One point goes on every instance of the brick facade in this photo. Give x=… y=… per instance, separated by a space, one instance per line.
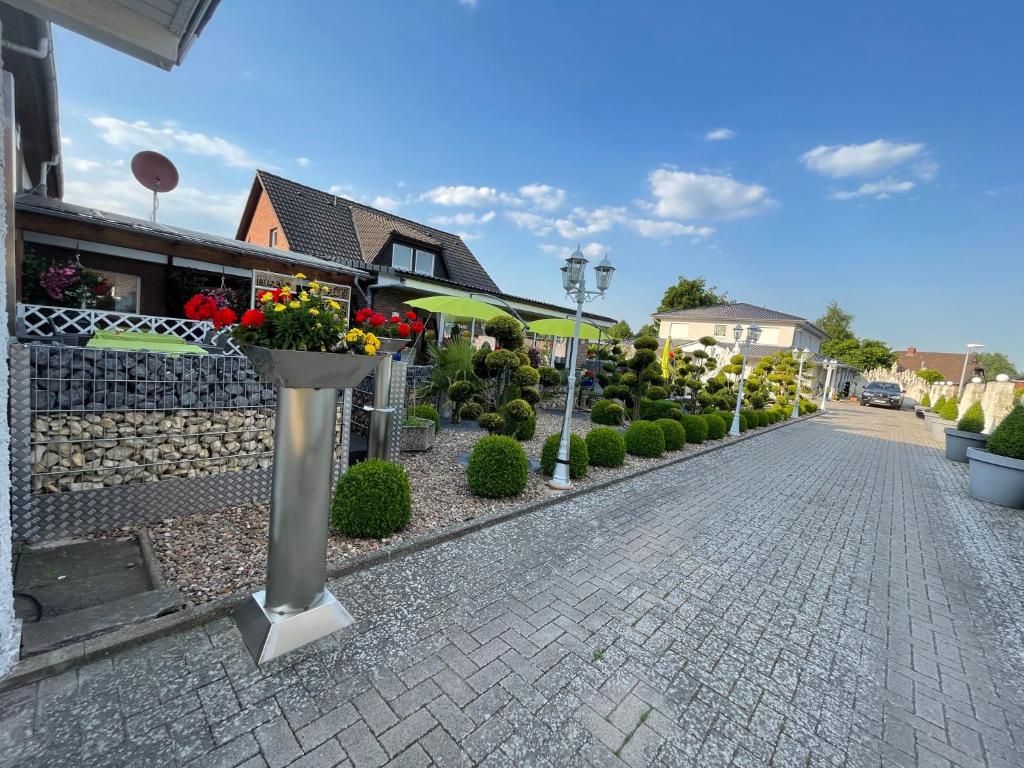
x=263 y=220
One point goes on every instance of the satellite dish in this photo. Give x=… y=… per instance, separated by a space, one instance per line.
x=156 y=173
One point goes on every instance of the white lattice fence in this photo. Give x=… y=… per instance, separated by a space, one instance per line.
x=39 y=320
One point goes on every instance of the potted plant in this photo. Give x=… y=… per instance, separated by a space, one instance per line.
x=299 y=339
x=393 y=332
x=967 y=434
x=997 y=472
x=945 y=416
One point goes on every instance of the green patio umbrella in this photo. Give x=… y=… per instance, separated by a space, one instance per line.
x=458 y=306
x=564 y=327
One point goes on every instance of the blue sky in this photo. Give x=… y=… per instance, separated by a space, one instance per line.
x=790 y=153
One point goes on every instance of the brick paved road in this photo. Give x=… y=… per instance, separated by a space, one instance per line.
x=823 y=595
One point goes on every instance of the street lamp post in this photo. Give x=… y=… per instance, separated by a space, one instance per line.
x=830 y=365
x=574 y=281
x=753 y=334
x=963 y=373
x=801 y=355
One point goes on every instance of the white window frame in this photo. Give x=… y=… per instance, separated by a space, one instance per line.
x=273 y=237
x=725 y=330
x=416 y=262
x=412 y=256
x=138 y=286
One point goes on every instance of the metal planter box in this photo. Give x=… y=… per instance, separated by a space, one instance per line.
x=996 y=479
x=958 y=441
x=311 y=370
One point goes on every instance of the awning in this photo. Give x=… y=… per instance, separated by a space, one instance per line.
x=564 y=327
x=458 y=306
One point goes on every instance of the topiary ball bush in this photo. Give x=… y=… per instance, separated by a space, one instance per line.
x=460 y=391
x=973 y=419
x=579 y=456
x=492 y=422
x=501 y=360
x=645 y=438
x=652 y=410
x=427 y=412
x=372 y=500
x=470 y=411
x=949 y=409
x=520 y=420
x=675 y=435
x=497 y=467
x=607 y=412
x=645 y=342
x=743 y=422
x=506 y=330
x=926 y=401
x=525 y=376
x=762 y=418
x=1008 y=438
x=606 y=447
x=696 y=428
x=716 y=426
x=657 y=393
x=530 y=395
x=549 y=377
x=937 y=405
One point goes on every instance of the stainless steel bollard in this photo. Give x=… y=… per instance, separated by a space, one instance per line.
x=378 y=442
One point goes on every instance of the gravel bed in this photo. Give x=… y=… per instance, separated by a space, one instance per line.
x=211 y=554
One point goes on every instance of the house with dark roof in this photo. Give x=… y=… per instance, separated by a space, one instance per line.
x=406 y=259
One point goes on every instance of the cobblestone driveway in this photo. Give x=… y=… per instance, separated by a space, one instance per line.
x=826 y=594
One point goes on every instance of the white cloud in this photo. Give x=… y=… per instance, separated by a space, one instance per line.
x=303 y=162
x=875 y=157
x=590 y=250
x=82 y=165
x=463 y=219
x=474 y=197
x=470 y=236
x=539 y=225
x=582 y=221
x=685 y=195
x=879 y=189
x=655 y=228
x=719 y=134
x=341 y=190
x=386 y=203
x=66 y=141
x=170 y=137
x=543 y=196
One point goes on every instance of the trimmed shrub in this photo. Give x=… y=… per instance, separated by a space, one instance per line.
x=926 y=401
x=949 y=409
x=549 y=376
x=645 y=438
x=973 y=419
x=645 y=342
x=525 y=376
x=372 y=500
x=607 y=412
x=716 y=425
x=471 y=411
x=507 y=331
x=497 y=467
x=460 y=392
x=657 y=392
x=492 y=422
x=762 y=418
x=1008 y=438
x=579 y=457
x=427 y=412
x=518 y=415
x=606 y=447
x=743 y=422
x=501 y=360
x=617 y=392
x=652 y=410
x=696 y=428
x=530 y=395
x=937 y=406
x=675 y=435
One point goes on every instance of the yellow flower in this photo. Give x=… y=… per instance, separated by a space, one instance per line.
x=314 y=286
x=279 y=307
x=314 y=311
x=299 y=276
x=370 y=349
x=304 y=296
x=334 y=305
x=372 y=339
x=286 y=290
x=294 y=304
x=267 y=296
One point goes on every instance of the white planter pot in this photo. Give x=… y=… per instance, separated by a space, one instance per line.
x=958 y=441
x=996 y=479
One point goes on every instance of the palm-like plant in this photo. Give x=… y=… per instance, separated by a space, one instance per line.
x=450 y=362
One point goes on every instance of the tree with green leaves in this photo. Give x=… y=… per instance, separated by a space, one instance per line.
x=996 y=363
x=620 y=330
x=845 y=347
x=836 y=322
x=688 y=294
x=930 y=375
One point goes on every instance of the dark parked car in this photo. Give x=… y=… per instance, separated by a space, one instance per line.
x=882 y=393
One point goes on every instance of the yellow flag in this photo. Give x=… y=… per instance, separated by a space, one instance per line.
x=664 y=359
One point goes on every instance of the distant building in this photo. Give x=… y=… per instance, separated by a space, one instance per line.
x=949 y=364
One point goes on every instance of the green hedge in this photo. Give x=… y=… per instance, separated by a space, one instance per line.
x=372 y=500
x=973 y=419
x=762 y=418
x=579 y=457
x=645 y=438
x=743 y=422
x=652 y=410
x=606 y=447
x=607 y=412
x=696 y=428
x=675 y=435
x=497 y=467
x=716 y=425
x=427 y=412
x=1008 y=438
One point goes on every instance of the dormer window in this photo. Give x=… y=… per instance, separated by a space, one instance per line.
x=412 y=259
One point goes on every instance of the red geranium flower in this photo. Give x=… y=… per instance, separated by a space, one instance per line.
x=223 y=317
x=363 y=314
x=410 y=315
x=377 y=320
x=403 y=330
x=253 y=318
x=395 y=319
x=417 y=326
x=200 y=307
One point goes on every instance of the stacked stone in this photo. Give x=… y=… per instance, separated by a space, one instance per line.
x=81 y=379
x=76 y=452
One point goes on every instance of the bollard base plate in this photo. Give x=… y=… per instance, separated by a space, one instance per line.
x=269 y=635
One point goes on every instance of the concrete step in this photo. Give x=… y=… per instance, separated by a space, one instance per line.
x=58 y=631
